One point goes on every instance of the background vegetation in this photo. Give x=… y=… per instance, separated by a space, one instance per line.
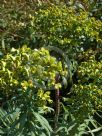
x=50 y=67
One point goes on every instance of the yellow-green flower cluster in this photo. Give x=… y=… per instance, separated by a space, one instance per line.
x=88 y=90
x=28 y=69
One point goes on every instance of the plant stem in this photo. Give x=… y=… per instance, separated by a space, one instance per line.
x=57 y=106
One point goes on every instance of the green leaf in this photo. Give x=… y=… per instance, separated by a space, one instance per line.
x=43 y=122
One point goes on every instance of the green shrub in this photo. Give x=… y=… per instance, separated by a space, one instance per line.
x=27 y=71
x=55 y=25
x=64 y=27
x=88 y=90
x=26 y=77
x=85 y=100
x=26 y=74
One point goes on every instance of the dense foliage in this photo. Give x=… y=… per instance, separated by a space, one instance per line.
x=39 y=41
x=24 y=75
x=27 y=69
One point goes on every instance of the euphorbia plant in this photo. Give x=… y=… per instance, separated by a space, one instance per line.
x=25 y=69
x=88 y=89
x=26 y=77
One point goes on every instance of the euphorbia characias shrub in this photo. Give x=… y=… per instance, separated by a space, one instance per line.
x=26 y=71
x=56 y=25
x=26 y=75
x=62 y=27
x=87 y=98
